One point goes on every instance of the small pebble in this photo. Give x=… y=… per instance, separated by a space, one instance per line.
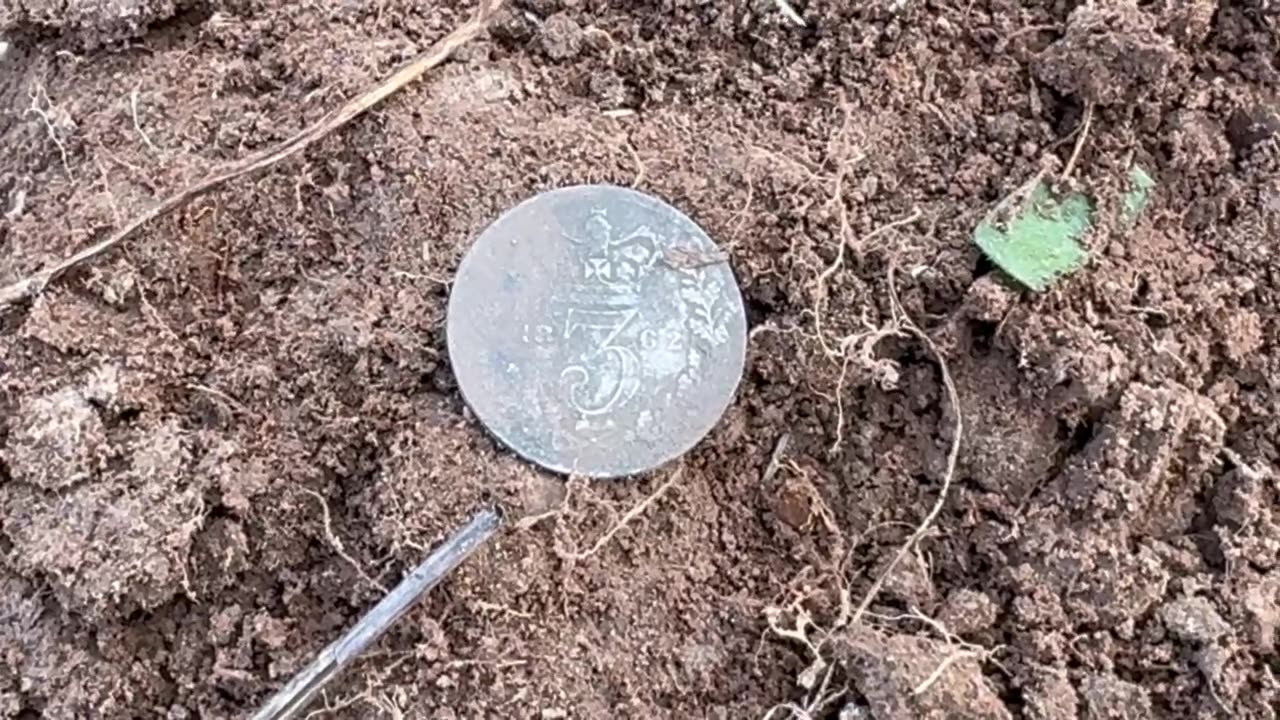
x=968 y=611
x=1194 y=619
x=561 y=37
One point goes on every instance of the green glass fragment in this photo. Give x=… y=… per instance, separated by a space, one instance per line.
x=1040 y=242
x=1139 y=194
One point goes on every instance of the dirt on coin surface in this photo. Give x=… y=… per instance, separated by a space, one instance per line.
x=221 y=441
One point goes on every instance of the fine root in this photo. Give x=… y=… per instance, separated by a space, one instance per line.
x=839 y=147
x=137 y=125
x=953 y=398
x=39 y=110
x=636 y=511
x=816 y=678
x=337 y=545
x=960 y=650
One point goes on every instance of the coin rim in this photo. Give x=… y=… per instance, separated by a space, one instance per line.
x=677 y=451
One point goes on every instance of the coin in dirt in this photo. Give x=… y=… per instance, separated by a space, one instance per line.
x=596 y=330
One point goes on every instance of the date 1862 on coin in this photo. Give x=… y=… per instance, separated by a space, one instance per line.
x=596 y=330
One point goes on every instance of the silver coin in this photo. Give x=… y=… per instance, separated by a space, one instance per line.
x=597 y=331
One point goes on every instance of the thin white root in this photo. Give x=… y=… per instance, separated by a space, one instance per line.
x=915 y=215
x=937 y=673
x=337 y=544
x=790 y=12
x=49 y=128
x=953 y=397
x=626 y=519
x=900 y=324
x=133 y=110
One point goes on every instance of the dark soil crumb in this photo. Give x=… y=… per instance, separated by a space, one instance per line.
x=896 y=676
x=1109 y=54
x=968 y=611
x=561 y=37
x=1109 y=698
x=218 y=442
x=91 y=23
x=1051 y=696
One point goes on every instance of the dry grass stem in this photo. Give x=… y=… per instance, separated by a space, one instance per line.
x=255 y=162
x=775 y=460
x=226 y=399
x=635 y=158
x=1016 y=197
x=1080 y=141
x=1250 y=472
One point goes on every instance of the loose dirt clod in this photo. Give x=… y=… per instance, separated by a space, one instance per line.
x=1195 y=620
x=108 y=544
x=1109 y=54
x=60 y=441
x=910 y=678
x=1109 y=698
x=91 y=23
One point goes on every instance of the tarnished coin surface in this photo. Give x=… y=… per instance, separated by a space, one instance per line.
x=596 y=330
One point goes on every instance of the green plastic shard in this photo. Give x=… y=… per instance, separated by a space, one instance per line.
x=1135 y=201
x=1040 y=241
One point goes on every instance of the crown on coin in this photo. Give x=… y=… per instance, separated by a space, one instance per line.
x=613 y=264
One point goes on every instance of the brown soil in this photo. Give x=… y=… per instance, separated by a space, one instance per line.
x=173 y=415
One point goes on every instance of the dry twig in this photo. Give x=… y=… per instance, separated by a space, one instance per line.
x=775 y=460
x=435 y=55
